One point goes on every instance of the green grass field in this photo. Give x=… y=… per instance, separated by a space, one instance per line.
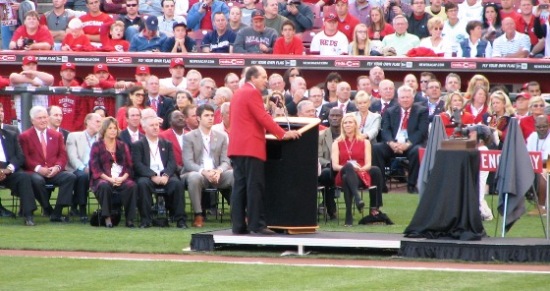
x=19 y=273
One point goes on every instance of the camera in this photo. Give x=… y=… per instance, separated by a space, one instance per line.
x=392 y=3
x=27 y=41
x=544 y=6
x=204 y=6
x=294 y=2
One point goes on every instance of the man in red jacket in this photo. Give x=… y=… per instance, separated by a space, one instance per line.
x=247 y=152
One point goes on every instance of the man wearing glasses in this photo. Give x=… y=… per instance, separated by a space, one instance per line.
x=132 y=20
x=93 y=20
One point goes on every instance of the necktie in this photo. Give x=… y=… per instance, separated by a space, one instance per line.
x=342 y=108
x=43 y=142
x=154 y=104
x=405 y=120
x=384 y=107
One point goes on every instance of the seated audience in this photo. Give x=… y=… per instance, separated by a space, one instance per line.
x=474 y=45
x=401 y=40
x=288 y=43
x=221 y=39
x=201 y=14
x=360 y=46
x=112 y=38
x=149 y=39
x=75 y=40
x=369 y=122
x=136 y=98
x=536 y=109
x=491 y=19
x=299 y=13
x=132 y=20
x=168 y=19
x=378 y=27
x=478 y=104
x=31 y=35
x=93 y=20
x=56 y=20
x=538 y=141
x=346 y=21
x=351 y=158
x=453 y=108
x=255 y=39
x=330 y=41
x=174 y=134
x=150 y=7
x=235 y=20
x=454 y=28
x=418 y=20
x=498 y=116
x=180 y=42
x=132 y=132
x=272 y=17
x=511 y=44
x=435 y=41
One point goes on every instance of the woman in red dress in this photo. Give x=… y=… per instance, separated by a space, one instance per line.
x=351 y=158
x=455 y=100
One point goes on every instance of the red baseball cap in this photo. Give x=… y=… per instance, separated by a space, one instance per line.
x=29 y=59
x=67 y=65
x=143 y=69
x=525 y=95
x=176 y=62
x=525 y=86
x=331 y=17
x=101 y=67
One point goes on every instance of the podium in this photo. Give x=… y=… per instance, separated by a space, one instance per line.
x=290 y=201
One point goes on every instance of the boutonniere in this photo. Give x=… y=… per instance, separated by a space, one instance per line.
x=50 y=138
x=162 y=149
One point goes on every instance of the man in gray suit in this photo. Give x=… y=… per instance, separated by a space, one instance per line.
x=78 y=151
x=205 y=160
x=326 y=178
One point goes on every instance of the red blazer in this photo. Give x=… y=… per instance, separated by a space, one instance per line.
x=250 y=120
x=171 y=136
x=55 y=149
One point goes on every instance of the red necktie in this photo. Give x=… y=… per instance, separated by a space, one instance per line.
x=43 y=142
x=405 y=120
x=384 y=107
x=154 y=104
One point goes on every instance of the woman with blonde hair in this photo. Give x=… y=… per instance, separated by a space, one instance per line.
x=455 y=101
x=369 y=122
x=478 y=104
x=498 y=116
x=360 y=46
x=435 y=40
x=351 y=158
x=476 y=81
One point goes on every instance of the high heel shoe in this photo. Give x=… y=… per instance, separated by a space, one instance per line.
x=108 y=222
x=361 y=206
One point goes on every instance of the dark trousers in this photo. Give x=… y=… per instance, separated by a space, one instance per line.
x=20 y=184
x=326 y=179
x=351 y=183
x=247 y=196
x=174 y=191
x=64 y=180
x=381 y=154
x=81 y=185
x=127 y=192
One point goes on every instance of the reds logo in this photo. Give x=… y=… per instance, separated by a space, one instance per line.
x=231 y=62
x=118 y=60
x=463 y=65
x=7 y=58
x=348 y=64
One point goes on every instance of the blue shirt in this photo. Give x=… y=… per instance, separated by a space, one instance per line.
x=219 y=44
x=140 y=44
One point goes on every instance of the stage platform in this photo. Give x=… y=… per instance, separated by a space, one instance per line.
x=486 y=250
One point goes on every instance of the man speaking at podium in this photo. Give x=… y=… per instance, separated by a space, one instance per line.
x=248 y=154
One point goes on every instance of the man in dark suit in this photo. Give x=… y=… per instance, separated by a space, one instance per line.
x=11 y=175
x=3 y=211
x=248 y=154
x=131 y=134
x=387 y=97
x=298 y=89
x=343 y=92
x=55 y=118
x=205 y=160
x=435 y=104
x=155 y=166
x=162 y=105
x=404 y=130
x=45 y=158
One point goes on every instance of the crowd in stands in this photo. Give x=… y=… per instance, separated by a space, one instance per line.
x=174 y=115
x=472 y=28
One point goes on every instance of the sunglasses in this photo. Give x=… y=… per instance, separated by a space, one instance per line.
x=438 y=28
x=537 y=105
x=131 y=5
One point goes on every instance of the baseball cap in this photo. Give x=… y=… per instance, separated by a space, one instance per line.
x=525 y=95
x=29 y=59
x=152 y=23
x=525 y=86
x=331 y=17
x=66 y=66
x=258 y=14
x=101 y=67
x=142 y=69
x=176 y=62
x=181 y=23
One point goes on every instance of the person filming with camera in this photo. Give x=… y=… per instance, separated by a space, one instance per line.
x=201 y=14
x=396 y=7
x=32 y=35
x=297 y=12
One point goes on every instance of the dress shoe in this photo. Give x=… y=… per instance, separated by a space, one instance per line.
x=361 y=206
x=385 y=189
x=74 y=212
x=5 y=213
x=145 y=224
x=242 y=231
x=199 y=221
x=264 y=231
x=412 y=189
x=55 y=218
x=29 y=221
x=181 y=224
x=130 y=224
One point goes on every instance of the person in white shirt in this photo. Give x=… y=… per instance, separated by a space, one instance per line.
x=330 y=41
x=470 y=10
x=435 y=41
x=511 y=44
x=167 y=20
x=539 y=141
x=454 y=29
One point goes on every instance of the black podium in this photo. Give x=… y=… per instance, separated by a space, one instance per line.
x=290 y=200
x=449 y=207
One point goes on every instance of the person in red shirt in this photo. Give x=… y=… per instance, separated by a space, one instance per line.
x=93 y=20
x=75 y=40
x=101 y=78
x=74 y=107
x=31 y=35
x=248 y=154
x=112 y=37
x=346 y=21
x=288 y=43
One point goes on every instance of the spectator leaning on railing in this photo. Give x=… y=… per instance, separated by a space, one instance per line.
x=31 y=35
